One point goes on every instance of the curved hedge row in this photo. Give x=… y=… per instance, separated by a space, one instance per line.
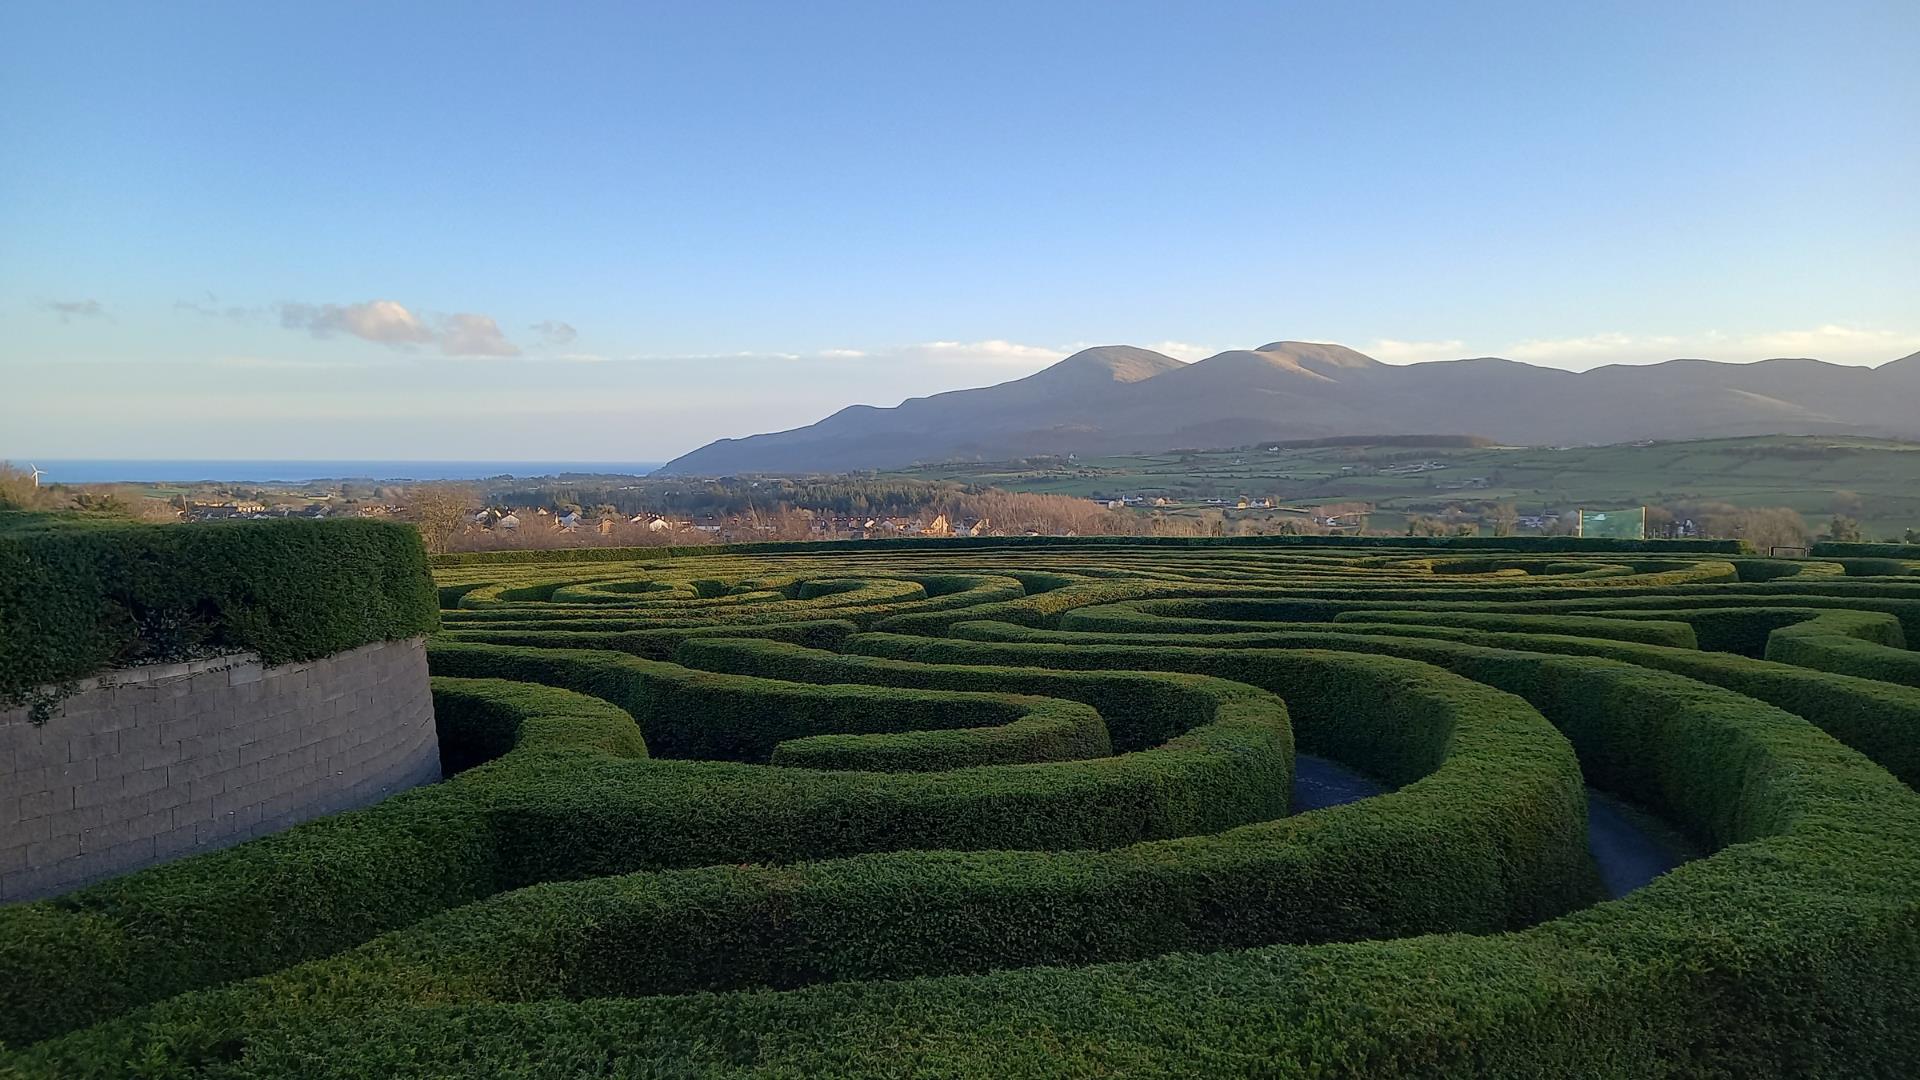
x=1023 y=809
x=551 y=811
x=1438 y=854
x=1873 y=716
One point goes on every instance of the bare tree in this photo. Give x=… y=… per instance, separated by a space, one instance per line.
x=1504 y=518
x=1765 y=528
x=438 y=511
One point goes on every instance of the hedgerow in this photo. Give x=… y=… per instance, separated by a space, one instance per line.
x=1831 y=549
x=999 y=809
x=1879 y=719
x=1439 y=854
x=1029 y=543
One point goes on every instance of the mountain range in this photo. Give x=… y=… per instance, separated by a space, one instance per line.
x=1121 y=399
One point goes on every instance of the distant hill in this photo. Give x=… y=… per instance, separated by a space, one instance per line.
x=1121 y=399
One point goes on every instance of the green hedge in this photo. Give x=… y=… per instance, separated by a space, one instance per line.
x=1830 y=549
x=1028 y=543
x=1675 y=633
x=1880 y=720
x=553 y=603
x=1072 y=736
x=76 y=600
x=1867 y=644
x=577 y=798
x=659 y=643
x=1788 y=952
x=1487 y=834
x=1309 y=604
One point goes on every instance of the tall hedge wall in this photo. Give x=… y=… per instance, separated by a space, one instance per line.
x=78 y=598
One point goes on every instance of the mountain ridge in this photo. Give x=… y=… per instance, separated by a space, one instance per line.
x=1122 y=398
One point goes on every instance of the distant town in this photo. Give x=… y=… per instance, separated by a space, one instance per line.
x=1769 y=491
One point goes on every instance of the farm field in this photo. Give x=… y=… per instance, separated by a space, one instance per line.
x=1813 y=475
x=1036 y=808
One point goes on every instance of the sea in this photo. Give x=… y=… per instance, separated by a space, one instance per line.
x=130 y=471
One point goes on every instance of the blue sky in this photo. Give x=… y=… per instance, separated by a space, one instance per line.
x=618 y=231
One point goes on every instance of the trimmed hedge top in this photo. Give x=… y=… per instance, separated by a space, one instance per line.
x=79 y=598
x=972 y=543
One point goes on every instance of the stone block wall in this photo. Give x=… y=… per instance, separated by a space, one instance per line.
x=153 y=763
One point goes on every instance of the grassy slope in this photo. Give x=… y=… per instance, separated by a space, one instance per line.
x=1799 y=472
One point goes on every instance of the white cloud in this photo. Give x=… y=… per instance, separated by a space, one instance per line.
x=1390 y=351
x=389 y=322
x=1834 y=343
x=993 y=354
x=69 y=310
x=990 y=353
x=554 y=332
x=385 y=321
x=1182 y=350
x=744 y=354
x=467 y=334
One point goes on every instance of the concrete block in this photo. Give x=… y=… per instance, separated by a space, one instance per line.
x=38 y=747
x=35 y=804
x=118 y=764
x=145 y=782
x=35 y=882
x=134 y=853
x=96 y=792
x=53 y=850
x=206 y=787
x=159 y=802
x=71 y=822
x=191 y=814
x=27 y=831
x=172 y=844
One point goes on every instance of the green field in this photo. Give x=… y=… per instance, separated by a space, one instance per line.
x=1025 y=807
x=1812 y=475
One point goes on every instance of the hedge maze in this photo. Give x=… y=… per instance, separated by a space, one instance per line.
x=1023 y=810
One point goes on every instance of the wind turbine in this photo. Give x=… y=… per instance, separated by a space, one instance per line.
x=35 y=470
